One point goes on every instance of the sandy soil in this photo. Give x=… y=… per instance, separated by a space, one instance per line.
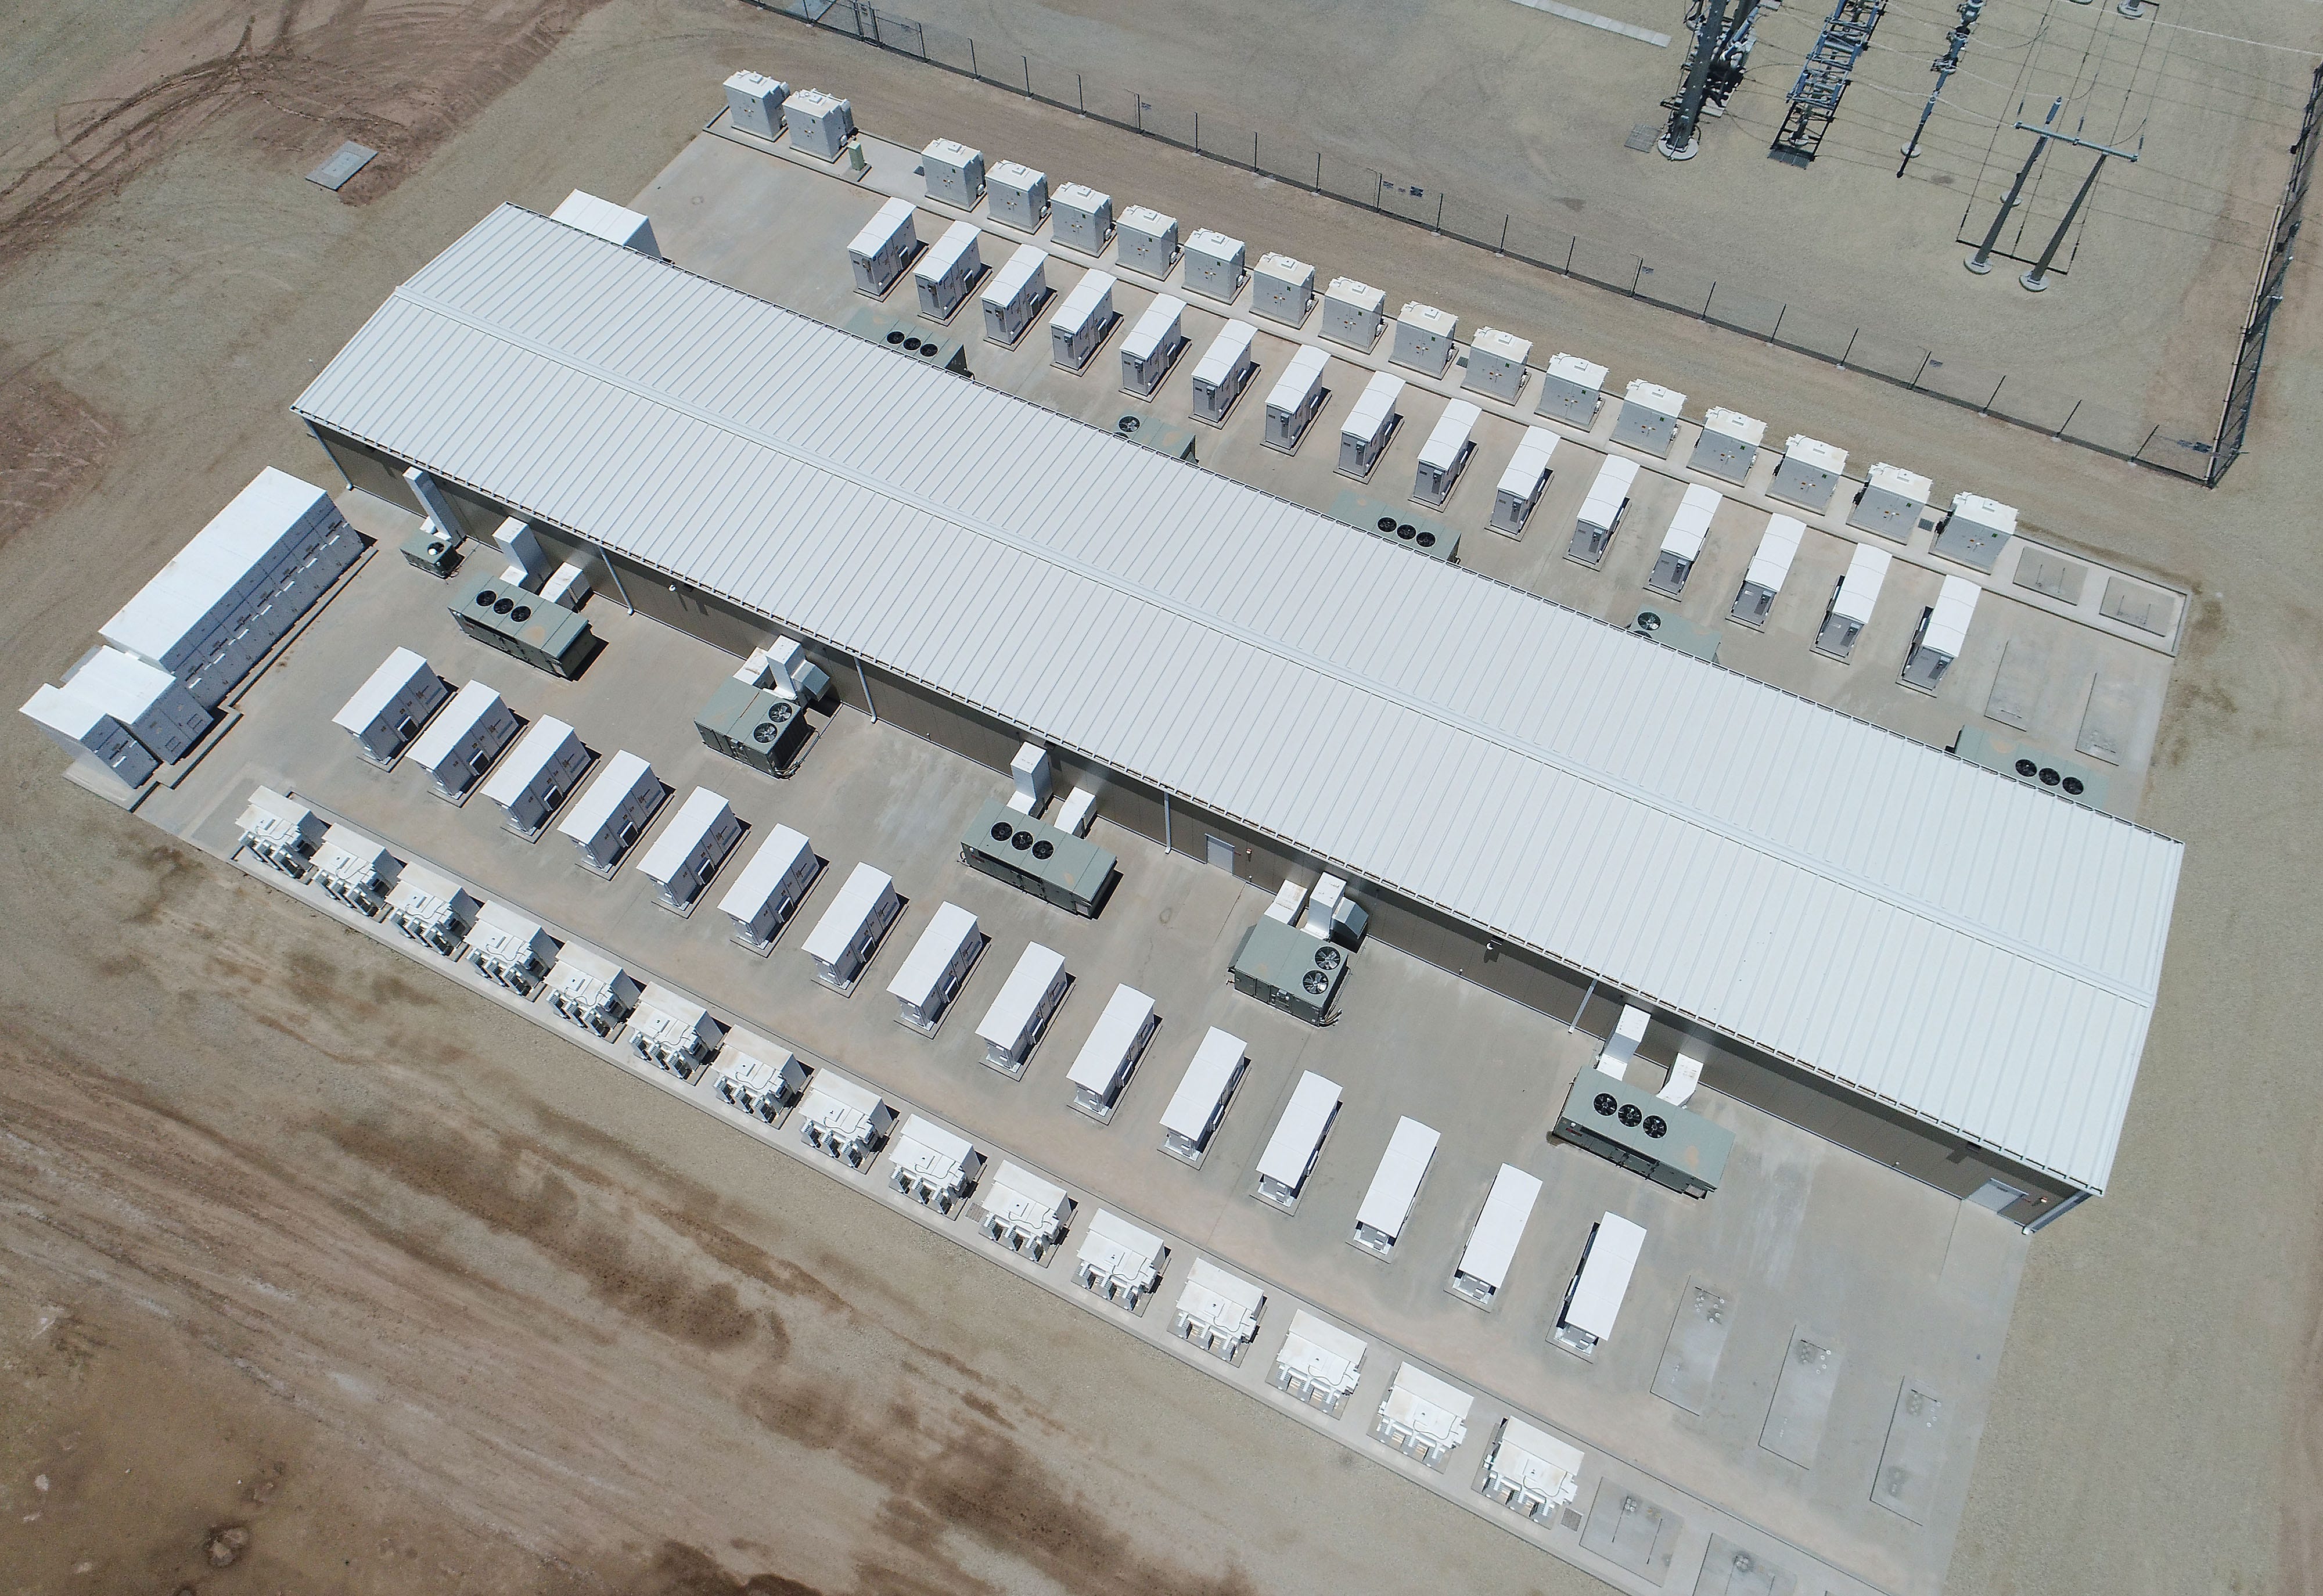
x=317 y=1276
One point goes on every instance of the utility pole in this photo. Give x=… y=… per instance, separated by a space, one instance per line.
x=1943 y=67
x=1711 y=40
x=1981 y=262
x=2037 y=279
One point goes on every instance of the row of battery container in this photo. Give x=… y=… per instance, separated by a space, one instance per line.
x=169 y=657
x=1427 y=339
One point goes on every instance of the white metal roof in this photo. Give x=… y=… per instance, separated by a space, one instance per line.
x=63 y=711
x=249 y=532
x=1159 y=322
x=1374 y=407
x=951 y=930
x=1225 y=353
x=395 y=672
x=1588 y=373
x=1037 y=969
x=1203 y=1084
x=882 y=226
x=1126 y=1014
x=866 y=887
x=1955 y=607
x=1776 y=549
x=1016 y=274
x=1835 y=894
x=1313 y=1101
x=1605 y=1276
x=442 y=739
x=1081 y=303
x=672 y=850
x=1299 y=379
x=1608 y=491
x=946 y=252
x=622 y=775
x=764 y=872
x=1387 y=1203
x=1500 y=1226
x=1691 y=524
x=1449 y=436
x=1859 y=589
x=543 y=740
x=1530 y=464
x=121 y=685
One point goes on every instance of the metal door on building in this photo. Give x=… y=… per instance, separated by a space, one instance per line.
x=1219 y=852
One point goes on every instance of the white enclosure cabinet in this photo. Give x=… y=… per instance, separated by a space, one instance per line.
x=1423 y=1417
x=933 y=1166
x=1354 y=314
x=1522 y=484
x=1021 y=1011
x=887 y=243
x=1024 y=1212
x=591 y=990
x=1120 y=1262
x=1395 y=1185
x=356 y=869
x=1808 y=474
x=691 y=847
x=1298 y=1141
x=1943 y=633
x=1530 y=1471
x=945 y=275
x=932 y=972
x=532 y=784
x=770 y=888
x=389 y=709
x=1496 y=365
x=1682 y=543
x=1769 y=566
x=1102 y=1069
x=849 y=932
x=510 y=947
x=1082 y=322
x=819 y=124
x=1017 y=195
x=1364 y=435
x=606 y=822
x=1649 y=418
x=1483 y=1267
x=1296 y=399
x=1218 y=1311
x=844 y=1120
x=1284 y=290
x=95 y=738
x=1729 y=443
x=1146 y=241
x=1320 y=1364
x=1444 y=455
x=153 y=706
x=431 y=908
x=1215 y=265
x=1203 y=1095
x=1015 y=295
x=1154 y=346
x=1424 y=338
x=1594 y=1297
x=954 y=172
x=1572 y=389
x=1852 y=601
x=1601 y=511
x=760 y=1078
x=1892 y=502
x=674 y=1033
x=1081 y=218
x=463 y=739
x=754 y=103
x=1223 y=371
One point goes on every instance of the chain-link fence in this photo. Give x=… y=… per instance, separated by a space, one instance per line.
x=2189 y=447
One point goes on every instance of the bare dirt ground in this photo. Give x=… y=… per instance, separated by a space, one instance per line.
x=315 y=1275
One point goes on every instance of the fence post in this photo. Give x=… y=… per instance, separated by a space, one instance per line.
x=1573 y=243
x=1844 y=353
x=1318 y=171
x=1080 y=98
x=1028 y=75
x=1440 y=212
x=1140 y=113
x=2148 y=443
x=2059 y=435
x=1995 y=394
x=1379 y=188
x=1254 y=151
x=1925 y=356
x=1640 y=278
x=1197 y=133
x=1706 y=298
x=972 y=71
x=1504 y=235
x=1784 y=311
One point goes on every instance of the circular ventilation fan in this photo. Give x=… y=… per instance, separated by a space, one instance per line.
x=503 y=607
x=1021 y=841
x=1315 y=981
x=912 y=344
x=780 y=713
x=1603 y=1102
x=1406 y=531
x=1000 y=830
x=1426 y=540
x=1649 y=621
x=2049 y=778
x=1043 y=848
x=487 y=599
x=2074 y=785
x=762 y=732
x=2026 y=767
x=1125 y=425
x=1387 y=523
x=1328 y=959
x=1631 y=1113
x=895 y=337
x=928 y=350
x=1657 y=1126
x=520 y=614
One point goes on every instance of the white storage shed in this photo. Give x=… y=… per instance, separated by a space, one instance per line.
x=1082 y=322
x=538 y=775
x=1602 y=510
x=1394 y=1189
x=1120 y=1262
x=393 y=704
x=687 y=854
x=1224 y=371
x=1364 y=435
x=1015 y=295
x=1154 y=346
x=1593 y=1299
x=462 y=740
x=1296 y=399
x=1483 y=1267
x=1022 y=1009
x=1445 y=454
x=606 y=820
x=1297 y=1143
x=1204 y=1094
x=849 y=932
x=770 y=888
x=933 y=971
x=1102 y=1069
x=933 y=1166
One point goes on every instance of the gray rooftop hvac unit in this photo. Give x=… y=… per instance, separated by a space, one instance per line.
x=1292 y=969
x=1668 y=1145
x=389 y=709
x=1296 y=399
x=819 y=124
x=1942 y=634
x=1682 y=544
x=1496 y=365
x=607 y=820
x=1363 y=436
x=1017 y=195
x=954 y=173
x=757 y=716
x=2027 y=763
x=1851 y=602
x=1214 y=265
x=1424 y=338
x=1081 y=218
x=948 y=272
x=754 y=103
x=1649 y=418
x=524 y=625
x=1352 y=314
x=1976 y=531
x=1445 y=454
x=1522 y=483
x=1769 y=566
x=1602 y=510
x=1146 y=241
x=1154 y=346
x=1036 y=858
x=1892 y=502
x=1223 y=372
x=1808 y=473
x=1284 y=290
x=1083 y=322
x=1729 y=443
x=1015 y=295
x=1571 y=390
x=885 y=249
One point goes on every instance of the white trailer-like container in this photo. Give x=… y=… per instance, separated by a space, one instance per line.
x=1024 y=1212
x=770 y=888
x=1284 y=290
x=1081 y=218
x=850 y=931
x=463 y=739
x=884 y=249
x=1445 y=454
x=1484 y=1265
x=593 y=990
x=1320 y=1364
x=1015 y=295
x=511 y=948
x=1601 y=511
x=1496 y=365
x=1852 y=601
x=1892 y=502
x=1364 y=435
x=1354 y=314
x=1394 y=1189
x=1530 y=1471
x=1593 y=1299
x=936 y=968
x=606 y=822
x=393 y=704
x=1524 y=481
x=540 y=773
x=1689 y=528
x=1218 y=1311
x=933 y=1166
x=1017 y=195
x=761 y=1078
x=282 y=832
x=1649 y=416
x=431 y=909
x=1423 y=1417
x=1154 y=346
x=674 y=1032
x=948 y=272
x=1216 y=266
x=843 y=1121
x=1942 y=634
x=1808 y=474
x=820 y=124
x=1120 y=1262
x=1223 y=371
x=1146 y=241
x=1083 y=322
x=754 y=103
x=1021 y=1012
x=1426 y=338
x=1770 y=567
x=1572 y=389
x=1101 y=1070
x=615 y=223
x=954 y=172
x=151 y=705
x=1296 y=399
x=1204 y=1094
x=1729 y=443
x=1297 y=1143
x=90 y=736
x=356 y=869
x=687 y=855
